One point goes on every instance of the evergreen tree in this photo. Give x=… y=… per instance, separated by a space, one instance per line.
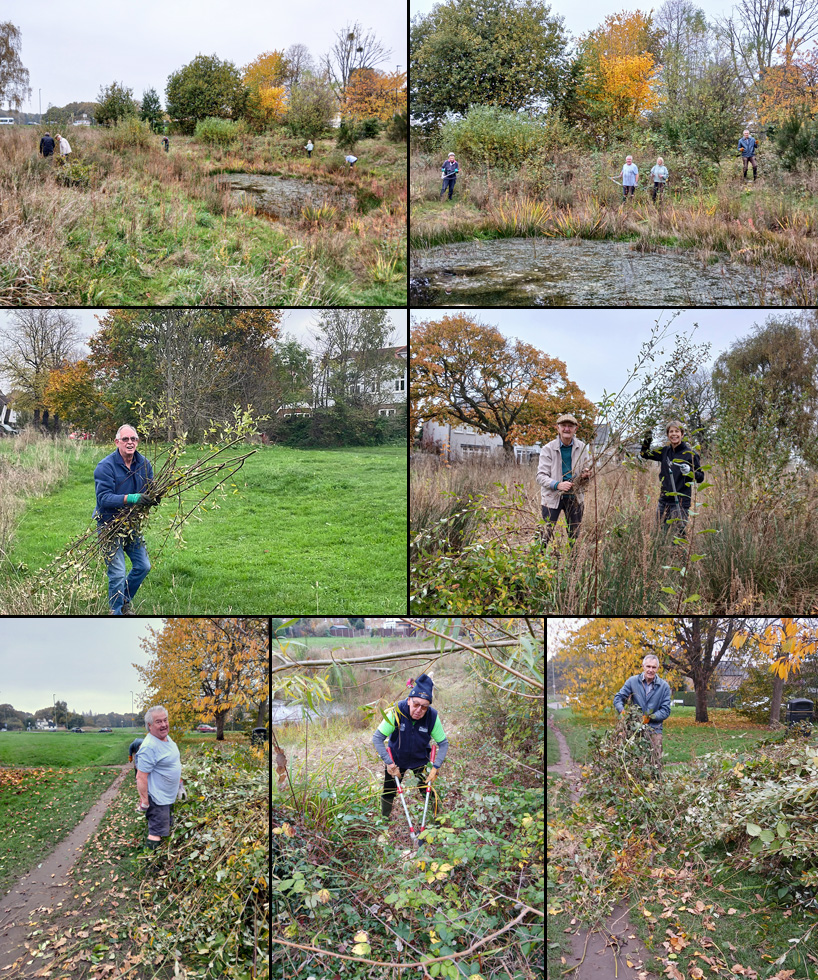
x=152 y=110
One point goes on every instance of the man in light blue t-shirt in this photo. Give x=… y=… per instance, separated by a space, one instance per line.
x=158 y=775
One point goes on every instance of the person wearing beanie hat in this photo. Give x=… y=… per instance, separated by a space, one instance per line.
x=679 y=465
x=565 y=467
x=407 y=731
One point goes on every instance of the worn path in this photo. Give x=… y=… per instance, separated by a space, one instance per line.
x=603 y=952
x=43 y=887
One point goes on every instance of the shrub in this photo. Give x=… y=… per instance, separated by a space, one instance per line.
x=219 y=132
x=495 y=137
x=128 y=133
x=369 y=129
x=77 y=175
x=347 y=136
x=398 y=129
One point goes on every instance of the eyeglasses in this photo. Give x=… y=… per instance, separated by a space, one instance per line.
x=128 y=439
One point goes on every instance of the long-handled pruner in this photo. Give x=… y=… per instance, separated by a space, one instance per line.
x=403 y=801
x=428 y=790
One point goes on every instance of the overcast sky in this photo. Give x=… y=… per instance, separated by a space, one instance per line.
x=579 y=18
x=70 y=50
x=85 y=662
x=599 y=347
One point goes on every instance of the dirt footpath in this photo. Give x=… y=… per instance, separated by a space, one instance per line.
x=40 y=888
x=604 y=952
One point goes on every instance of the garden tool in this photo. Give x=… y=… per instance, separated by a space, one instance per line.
x=426 y=805
x=403 y=801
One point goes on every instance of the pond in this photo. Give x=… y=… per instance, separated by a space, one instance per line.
x=284 y=711
x=284 y=197
x=577 y=272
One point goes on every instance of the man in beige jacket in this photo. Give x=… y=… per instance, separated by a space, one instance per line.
x=565 y=467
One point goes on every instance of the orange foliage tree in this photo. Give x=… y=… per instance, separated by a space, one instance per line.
x=620 y=74
x=789 y=88
x=464 y=371
x=265 y=79
x=72 y=393
x=373 y=94
x=204 y=668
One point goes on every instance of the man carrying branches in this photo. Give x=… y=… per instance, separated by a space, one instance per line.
x=652 y=694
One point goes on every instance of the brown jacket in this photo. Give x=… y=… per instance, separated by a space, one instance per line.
x=549 y=471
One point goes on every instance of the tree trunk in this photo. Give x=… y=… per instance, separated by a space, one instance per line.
x=220 y=718
x=701 y=699
x=775 y=707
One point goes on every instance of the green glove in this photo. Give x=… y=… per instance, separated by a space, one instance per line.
x=133 y=498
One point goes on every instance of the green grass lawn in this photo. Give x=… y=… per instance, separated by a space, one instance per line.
x=683 y=739
x=552 y=750
x=64 y=749
x=306 y=531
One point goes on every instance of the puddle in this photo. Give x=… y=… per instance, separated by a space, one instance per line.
x=575 y=272
x=284 y=197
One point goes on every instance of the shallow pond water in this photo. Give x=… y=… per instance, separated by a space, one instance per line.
x=576 y=272
x=284 y=197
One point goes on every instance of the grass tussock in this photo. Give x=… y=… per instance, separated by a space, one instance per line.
x=109 y=228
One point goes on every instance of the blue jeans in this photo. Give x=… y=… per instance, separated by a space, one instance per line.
x=122 y=589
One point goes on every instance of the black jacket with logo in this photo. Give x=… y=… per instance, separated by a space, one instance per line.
x=670 y=470
x=409 y=741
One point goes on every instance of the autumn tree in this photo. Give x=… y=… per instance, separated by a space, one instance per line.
x=374 y=95
x=620 y=73
x=354 y=48
x=72 y=393
x=14 y=87
x=198 y=362
x=33 y=343
x=789 y=88
x=464 y=371
x=505 y=53
x=299 y=63
x=205 y=668
x=265 y=78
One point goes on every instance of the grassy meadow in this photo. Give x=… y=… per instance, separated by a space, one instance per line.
x=749 y=551
x=302 y=530
x=131 y=225
x=566 y=193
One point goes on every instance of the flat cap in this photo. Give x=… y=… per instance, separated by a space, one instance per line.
x=567 y=418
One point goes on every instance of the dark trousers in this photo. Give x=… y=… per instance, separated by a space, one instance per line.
x=159 y=817
x=448 y=181
x=667 y=511
x=390 y=790
x=747 y=161
x=628 y=189
x=573 y=517
x=658 y=187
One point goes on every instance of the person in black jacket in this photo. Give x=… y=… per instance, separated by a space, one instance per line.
x=47 y=145
x=679 y=466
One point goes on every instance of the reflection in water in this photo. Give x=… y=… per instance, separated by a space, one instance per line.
x=284 y=197
x=576 y=272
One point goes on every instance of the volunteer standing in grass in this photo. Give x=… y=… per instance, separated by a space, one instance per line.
x=630 y=177
x=158 y=775
x=660 y=176
x=565 y=466
x=121 y=481
x=677 y=461
x=747 y=146
x=652 y=695
x=408 y=728
x=449 y=172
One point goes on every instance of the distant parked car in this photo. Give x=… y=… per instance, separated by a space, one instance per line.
x=205 y=728
x=106 y=729
x=77 y=730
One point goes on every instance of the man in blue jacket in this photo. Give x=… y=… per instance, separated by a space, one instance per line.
x=121 y=481
x=747 y=147
x=652 y=695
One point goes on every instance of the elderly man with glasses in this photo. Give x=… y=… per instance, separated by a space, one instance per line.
x=121 y=481
x=652 y=695
x=406 y=732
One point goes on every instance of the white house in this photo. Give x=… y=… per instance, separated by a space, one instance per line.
x=7 y=416
x=463 y=442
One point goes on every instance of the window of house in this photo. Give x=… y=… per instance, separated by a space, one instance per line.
x=400 y=384
x=386 y=411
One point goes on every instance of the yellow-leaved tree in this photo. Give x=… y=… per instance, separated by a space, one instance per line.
x=201 y=669
x=373 y=94
x=784 y=643
x=265 y=79
x=791 y=87
x=620 y=74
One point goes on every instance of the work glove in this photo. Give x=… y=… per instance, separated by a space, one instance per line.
x=133 y=498
x=181 y=794
x=432 y=776
x=141 y=808
x=645 y=719
x=684 y=468
x=393 y=770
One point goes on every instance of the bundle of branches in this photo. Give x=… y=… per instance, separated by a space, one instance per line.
x=622 y=756
x=187 y=487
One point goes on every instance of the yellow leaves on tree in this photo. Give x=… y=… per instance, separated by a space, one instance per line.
x=72 y=394
x=603 y=653
x=789 y=88
x=784 y=643
x=621 y=75
x=467 y=372
x=265 y=78
x=201 y=669
x=374 y=95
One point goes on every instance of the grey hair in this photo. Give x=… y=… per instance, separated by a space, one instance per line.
x=649 y=656
x=125 y=426
x=151 y=712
